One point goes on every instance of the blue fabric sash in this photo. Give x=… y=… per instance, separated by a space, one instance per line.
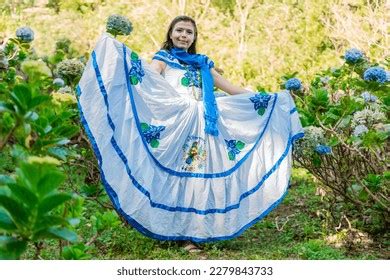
x=200 y=61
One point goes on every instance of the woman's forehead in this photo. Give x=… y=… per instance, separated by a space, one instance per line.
x=184 y=25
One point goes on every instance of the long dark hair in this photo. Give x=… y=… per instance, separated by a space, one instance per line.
x=168 y=44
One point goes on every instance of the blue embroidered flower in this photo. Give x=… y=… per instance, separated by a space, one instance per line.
x=260 y=102
x=323 y=149
x=151 y=133
x=368 y=97
x=234 y=148
x=293 y=84
x=136 y=71
x=376 y=73
x=25 y=34
x=353 y=56
x=191 y=77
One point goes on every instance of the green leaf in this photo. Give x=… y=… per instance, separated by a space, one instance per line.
x=231 y=156
x=52 y=201
x=144 y=127
x=60 y=153
x=66 y=131
x=373 y=182
x=240 y=145
x=133 y=80
x=76 y=252
x=21 y=96
x=185 y=81
x=49 y=221
x=24 y=194
x=49 y=182
x=154 y=143
x=59 y=233
x=261 y=111
x=134 y=56
x=6 y=107
x=6 y=221
x=11 y=248
x=37 y=100
x=17 y=211
x=5 y=180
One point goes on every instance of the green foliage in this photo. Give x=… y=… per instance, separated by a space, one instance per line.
x=29 y=207
x=39 y=118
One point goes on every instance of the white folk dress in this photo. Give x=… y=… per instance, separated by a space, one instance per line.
x=169 y=179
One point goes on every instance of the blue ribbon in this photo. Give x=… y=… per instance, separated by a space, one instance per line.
x=199 y=61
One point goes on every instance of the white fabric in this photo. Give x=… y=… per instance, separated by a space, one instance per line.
x=214 y=197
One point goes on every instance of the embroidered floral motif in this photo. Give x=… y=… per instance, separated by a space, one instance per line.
x=260 y=102
x=234 y=148
x=151 y=134
x=194 y=154
x=136 y=71
x=191 y=77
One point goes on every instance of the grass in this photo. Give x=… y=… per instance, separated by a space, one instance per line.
x=297 y=229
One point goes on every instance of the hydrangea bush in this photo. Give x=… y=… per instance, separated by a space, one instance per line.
x=345 y=113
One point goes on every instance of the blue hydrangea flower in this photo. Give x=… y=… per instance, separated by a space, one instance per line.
x=59 y=82
x=323 y=149
x=118 y=25
x=25 y=34
x=376 y=73
x=368 y=97
x=359 y=130
x=388 y=76
x=293 y=84
x=353 y=56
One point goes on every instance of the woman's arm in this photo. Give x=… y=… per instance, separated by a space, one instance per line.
x=158 y=65
x=223 y=84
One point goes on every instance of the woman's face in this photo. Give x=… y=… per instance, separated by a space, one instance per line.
x=183 y=34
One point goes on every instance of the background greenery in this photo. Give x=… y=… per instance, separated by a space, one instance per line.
x=254 y=42
x=257 y=44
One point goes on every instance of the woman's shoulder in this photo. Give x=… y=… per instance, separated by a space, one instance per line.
x=165 y=56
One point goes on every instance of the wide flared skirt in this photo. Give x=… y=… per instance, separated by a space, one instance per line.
x=168 y=178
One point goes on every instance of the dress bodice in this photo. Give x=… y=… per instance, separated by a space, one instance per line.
x=184 y=81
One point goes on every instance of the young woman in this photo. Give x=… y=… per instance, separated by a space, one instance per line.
x=182 y=33
x=177 y=162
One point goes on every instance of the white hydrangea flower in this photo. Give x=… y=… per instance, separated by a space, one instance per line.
x=314 y=136
x=359 y=130
x=368 y=117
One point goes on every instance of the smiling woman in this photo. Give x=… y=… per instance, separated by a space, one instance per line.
x=177 y=162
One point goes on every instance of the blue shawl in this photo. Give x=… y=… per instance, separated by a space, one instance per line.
x=200 y=61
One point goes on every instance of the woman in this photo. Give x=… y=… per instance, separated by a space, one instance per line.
x=182 y=33
x=178 y=163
